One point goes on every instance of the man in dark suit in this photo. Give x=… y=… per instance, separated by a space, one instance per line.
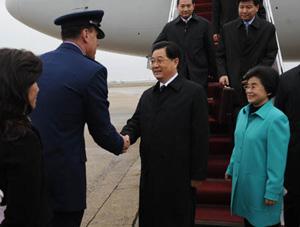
x=288 y=99
x=73 y=92
x=193 y=35
x=172 y=120
x=246 y=42
x=225 y=11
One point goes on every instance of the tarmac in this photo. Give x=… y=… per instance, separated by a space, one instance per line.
x=113 y=181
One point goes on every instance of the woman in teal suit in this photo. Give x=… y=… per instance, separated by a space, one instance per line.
x=258 y=160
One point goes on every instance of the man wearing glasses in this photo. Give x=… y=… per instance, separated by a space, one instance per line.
x=172 y=121
x=194 y=37
x=246 y=42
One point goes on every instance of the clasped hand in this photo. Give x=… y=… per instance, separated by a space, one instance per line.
x=126 y=143
x=1 y=195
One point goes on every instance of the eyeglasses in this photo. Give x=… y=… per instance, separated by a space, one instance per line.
x=158 y=60
x=250 y=86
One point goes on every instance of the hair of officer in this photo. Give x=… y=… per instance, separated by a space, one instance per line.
x=268 y=76
x=193 y=1
x=73 y=32
x=255 y=2
x=19 y=69
x=172 y=50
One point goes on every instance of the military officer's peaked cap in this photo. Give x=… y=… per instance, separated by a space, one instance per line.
x=84 y=18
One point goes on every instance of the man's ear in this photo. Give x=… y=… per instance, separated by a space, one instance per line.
x=176 y=60
x=257 y=8
x=84 y=34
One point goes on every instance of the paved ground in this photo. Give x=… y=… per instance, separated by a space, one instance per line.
x=113 y=181
x=112 y=193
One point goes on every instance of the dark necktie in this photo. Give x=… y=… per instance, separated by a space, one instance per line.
x=247 y=27
x=162 y=88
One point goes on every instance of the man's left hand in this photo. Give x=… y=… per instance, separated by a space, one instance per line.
x=126 y=143
x=1 y=195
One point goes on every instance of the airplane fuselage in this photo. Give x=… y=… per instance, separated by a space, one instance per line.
x=131 y=26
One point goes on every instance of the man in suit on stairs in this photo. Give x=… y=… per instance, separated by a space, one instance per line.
x=193 y=35
x=225 y=11
x=246 y=42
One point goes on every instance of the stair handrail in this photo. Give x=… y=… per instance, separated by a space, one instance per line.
x=270 y=18
x=173 y=10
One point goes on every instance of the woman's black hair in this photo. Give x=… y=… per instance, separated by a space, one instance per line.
x=19 y=69
x=268 y=76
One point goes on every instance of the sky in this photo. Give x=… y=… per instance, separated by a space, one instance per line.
x=121 y=68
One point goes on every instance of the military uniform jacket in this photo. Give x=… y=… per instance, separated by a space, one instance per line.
x=288 y=99
x=238 y=52
x=195 y=40
x=173 y=126
x=73 y=92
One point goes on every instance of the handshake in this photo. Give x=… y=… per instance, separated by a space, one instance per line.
x=1 y=196
x=126 y=143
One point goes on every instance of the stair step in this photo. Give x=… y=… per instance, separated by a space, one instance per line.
x=203 y=7
x=216 y=216
x=206 y=15
x=202 y=1
x=214 y=89
x=220 y=145
x=213 y=107
x=216 y=128
x=213 y=195
x=217 y=165
x=214 y=192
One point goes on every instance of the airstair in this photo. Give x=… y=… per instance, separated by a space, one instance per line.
x=213 y=196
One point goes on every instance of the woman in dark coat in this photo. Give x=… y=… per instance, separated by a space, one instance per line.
x=21 y=168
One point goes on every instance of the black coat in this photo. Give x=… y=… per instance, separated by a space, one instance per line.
x=238 y=52
x=227 y=10
x=288 y=99
x=173 y=126
x=195 y=40
x=22 y=181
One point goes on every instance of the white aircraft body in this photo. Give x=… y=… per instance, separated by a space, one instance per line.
x=131 y=26
x=287 y=21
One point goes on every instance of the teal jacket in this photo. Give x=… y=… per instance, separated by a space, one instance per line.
x=257 y=164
